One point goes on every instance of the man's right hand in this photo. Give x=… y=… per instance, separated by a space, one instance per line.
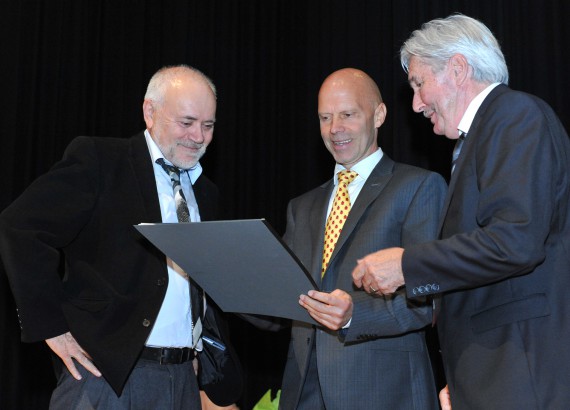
x=67 y=348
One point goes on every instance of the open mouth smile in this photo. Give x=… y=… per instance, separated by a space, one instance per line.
x=344 y=142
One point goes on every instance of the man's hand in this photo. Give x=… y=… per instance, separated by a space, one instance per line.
x=67 y=348
x=445 y=398
x=380 y=272
x=332 y=310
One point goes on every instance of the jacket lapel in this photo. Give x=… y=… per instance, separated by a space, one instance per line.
x=318 y=221
x=373 y=187
x=467 y=147
x=143 y=178
x=206 y=204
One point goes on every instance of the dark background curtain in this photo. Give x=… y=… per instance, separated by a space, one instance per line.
x=81 y=67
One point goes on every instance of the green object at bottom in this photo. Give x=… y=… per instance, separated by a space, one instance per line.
x=266 y=403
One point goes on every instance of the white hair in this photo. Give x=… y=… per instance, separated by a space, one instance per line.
x=162 y=78
x=438 y=40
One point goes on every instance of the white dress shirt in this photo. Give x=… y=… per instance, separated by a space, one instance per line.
x=173 y=326
x=472 y=109
x=363 y=169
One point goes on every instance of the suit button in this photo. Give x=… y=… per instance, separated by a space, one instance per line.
x=160 y=282
x=146 y=323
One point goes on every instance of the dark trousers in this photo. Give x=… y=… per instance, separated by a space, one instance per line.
x=150 y=386
x=311 y=396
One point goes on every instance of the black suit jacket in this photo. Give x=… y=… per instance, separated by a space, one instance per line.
x=503 y=261
x=81 y=215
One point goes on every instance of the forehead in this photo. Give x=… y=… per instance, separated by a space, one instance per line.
x=192 y=98
x=418 y=69
x=341 y=98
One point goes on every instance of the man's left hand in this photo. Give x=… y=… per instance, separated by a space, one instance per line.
x=332 y=310
x=380 y=272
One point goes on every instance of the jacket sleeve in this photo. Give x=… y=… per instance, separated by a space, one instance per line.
x=378 y=315
x=36 y=228
x=503 y=203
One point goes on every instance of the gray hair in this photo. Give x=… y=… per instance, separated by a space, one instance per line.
x=162 y=78
x=438 y=40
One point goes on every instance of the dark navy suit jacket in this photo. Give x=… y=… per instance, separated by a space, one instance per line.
x=503 y=261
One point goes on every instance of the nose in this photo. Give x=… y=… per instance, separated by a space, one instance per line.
x=336 y=125
x=417 y=103
x=196 y=133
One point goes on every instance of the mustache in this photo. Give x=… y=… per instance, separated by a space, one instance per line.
x=190 y=144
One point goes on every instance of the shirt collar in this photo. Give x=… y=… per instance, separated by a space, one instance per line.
x=472 y=109
x=155 y=154
x=363 y=168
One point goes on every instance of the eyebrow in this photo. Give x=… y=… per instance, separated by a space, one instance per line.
x=414 y=81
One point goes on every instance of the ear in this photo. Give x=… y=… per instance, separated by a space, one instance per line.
x=380 y=115
x=459 y=68
x=148 y=112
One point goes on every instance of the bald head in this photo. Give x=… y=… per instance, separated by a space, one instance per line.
x=354 y=81
x=350 y=112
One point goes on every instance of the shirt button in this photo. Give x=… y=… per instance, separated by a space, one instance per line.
x=160 y=282
x=146 y=323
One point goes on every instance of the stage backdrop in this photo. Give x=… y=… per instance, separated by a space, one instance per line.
x=81 y=67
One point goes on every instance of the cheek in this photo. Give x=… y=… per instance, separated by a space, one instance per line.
x=175 y=132
x=208 y=137
x=425 y=96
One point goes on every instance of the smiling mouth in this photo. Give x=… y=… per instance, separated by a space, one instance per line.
x=340 y=143
x=190 y=146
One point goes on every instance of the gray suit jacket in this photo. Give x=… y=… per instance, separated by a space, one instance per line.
x=382 y=361
x=503 y=263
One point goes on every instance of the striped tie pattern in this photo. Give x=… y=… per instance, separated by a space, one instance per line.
x=196 y=293
x=457 y=150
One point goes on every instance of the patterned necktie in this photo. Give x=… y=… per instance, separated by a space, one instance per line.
x=457 y=150
x=196 y=293
x=339 y=213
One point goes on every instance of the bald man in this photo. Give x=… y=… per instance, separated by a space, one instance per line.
x=370 y=350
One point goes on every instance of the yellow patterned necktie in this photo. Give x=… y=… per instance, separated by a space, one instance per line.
x=339 y=213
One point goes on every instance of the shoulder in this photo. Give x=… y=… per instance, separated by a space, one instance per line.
x=100 y=142
x=503 y=98
x=99 y=145
x=417 y=175
x=513 y=115
x=316 y=192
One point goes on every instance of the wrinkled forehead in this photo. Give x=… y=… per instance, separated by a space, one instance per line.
x=418 y=69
